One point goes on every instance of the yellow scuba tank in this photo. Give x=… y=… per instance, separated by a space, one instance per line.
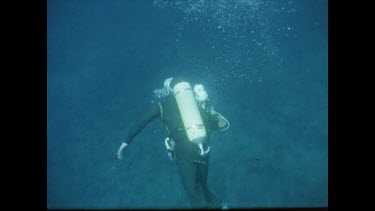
x=191 y=117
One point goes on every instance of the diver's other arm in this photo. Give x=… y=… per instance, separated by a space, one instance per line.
x=218 y=120
x=222 y=123
x=120 y=149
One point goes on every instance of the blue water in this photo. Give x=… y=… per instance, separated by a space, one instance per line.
x=264 y=64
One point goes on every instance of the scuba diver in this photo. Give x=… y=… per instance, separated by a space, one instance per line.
x=189 y=118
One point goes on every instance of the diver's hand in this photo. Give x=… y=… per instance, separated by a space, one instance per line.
x=120 y=149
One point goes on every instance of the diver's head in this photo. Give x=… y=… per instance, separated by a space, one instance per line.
x=167 y=84
x=200 y=94
x=165 y=91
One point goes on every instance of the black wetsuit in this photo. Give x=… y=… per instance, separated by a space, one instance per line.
x=192 y=167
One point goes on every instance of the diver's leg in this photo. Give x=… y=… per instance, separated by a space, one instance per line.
x=190 y=180
x=211 y=199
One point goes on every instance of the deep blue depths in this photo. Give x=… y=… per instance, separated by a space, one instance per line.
x=264 y=65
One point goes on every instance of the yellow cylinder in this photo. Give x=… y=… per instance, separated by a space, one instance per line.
x=191 y=117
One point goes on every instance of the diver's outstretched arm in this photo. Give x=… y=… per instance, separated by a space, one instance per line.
x=153 y=113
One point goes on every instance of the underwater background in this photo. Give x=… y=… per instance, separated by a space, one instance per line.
x=264 y=64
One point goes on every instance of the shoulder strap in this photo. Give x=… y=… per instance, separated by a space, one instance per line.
x=161 y=115
x=161 y=110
